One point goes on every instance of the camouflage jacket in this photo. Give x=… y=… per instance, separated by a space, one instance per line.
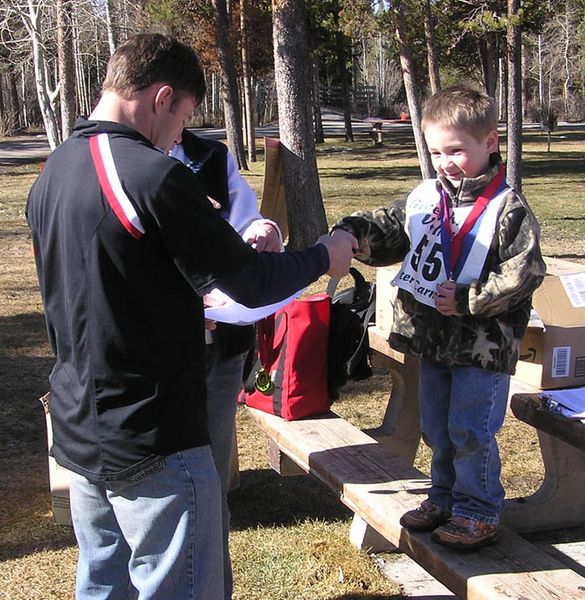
x=495 y=308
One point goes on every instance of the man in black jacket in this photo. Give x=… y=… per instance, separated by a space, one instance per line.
x=125 y=246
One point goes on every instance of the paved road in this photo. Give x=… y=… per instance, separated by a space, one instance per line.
x=32 y=148
x=23 y=150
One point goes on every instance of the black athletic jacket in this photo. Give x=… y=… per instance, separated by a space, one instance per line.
x=124 y=315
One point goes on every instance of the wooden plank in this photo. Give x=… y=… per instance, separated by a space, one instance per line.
x=379 y=343
x=282 y=463
x=528 y=408
x=379 y=487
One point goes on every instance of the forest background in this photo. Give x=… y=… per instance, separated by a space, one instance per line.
x=280 y=61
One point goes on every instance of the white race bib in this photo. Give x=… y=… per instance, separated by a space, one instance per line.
x=424 y=266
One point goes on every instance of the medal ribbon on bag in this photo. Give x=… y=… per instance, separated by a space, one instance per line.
x=453 y=244
x=262 y=380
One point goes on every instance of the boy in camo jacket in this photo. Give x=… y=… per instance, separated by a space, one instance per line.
x=471 y=261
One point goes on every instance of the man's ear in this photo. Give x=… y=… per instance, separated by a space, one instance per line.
x=492 y=141
x=163 y=96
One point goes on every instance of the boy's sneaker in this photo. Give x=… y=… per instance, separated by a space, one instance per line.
x=465 y=534
x=426 y=517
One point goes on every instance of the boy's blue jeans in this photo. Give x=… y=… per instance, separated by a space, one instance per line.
x=462 y=409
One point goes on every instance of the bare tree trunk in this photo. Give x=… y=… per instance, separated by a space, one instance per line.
x=315 y=102
x=31 y=22
x=2 y=109
x=248 y=89
x=22 y=114
x=306 y=215
x=214 y=98
x=567 y=58
x=83 y=99
x=4 y=117
x=65 y=58
x=432 y=58
x=412 y=95
x=514 y=151
x=488 y=53
x=231 y=100
x=341 y=48
x=111 y=26
x=540 y=72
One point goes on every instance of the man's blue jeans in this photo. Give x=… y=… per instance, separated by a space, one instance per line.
x=462 y=409
x=155 y=537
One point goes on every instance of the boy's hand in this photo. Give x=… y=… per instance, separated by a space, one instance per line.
x=445 y=301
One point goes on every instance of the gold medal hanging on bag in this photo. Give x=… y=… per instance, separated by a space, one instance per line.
x=263 y=383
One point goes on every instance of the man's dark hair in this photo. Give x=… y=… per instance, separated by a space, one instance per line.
x=149 y=58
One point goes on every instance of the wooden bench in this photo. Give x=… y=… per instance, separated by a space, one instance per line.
x=379 y=486
x=373 y=474
x=376 y=134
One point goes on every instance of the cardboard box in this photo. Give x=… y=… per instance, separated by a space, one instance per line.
x=553 y=351
x=58 y=475
x=385 y=296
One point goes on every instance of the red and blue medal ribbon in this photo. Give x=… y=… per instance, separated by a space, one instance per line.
x=455 y=247
x=267 y=354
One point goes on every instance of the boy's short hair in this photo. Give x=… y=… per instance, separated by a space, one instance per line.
x=149 y=58
x=461 y=107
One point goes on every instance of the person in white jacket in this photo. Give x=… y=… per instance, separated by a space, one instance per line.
x=227 y=345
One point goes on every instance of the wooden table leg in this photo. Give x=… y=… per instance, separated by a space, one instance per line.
x=558 y=503
x=400 y=428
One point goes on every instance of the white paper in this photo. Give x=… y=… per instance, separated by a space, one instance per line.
x=575 y=288
x=569 y=402
x=230 y=311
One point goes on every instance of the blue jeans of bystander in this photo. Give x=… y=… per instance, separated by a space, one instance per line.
x=224 y=380
x=153 y=537
x=462 y=409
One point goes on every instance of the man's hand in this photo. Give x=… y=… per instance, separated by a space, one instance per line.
x=263 y=236
x=340 y=245
x=210 y=324
x=445 y=301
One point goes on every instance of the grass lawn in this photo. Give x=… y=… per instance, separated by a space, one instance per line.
x=289 y=534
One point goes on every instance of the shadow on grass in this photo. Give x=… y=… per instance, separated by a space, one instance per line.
x=375 y=172
x=558 y=137
x=26 y=523
x=26 y=520
x=24 y=376
x=567 y=256
x=17 y=161
x=553 y=164
x=267 y=499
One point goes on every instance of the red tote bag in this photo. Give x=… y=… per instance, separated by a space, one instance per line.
x=292 y=353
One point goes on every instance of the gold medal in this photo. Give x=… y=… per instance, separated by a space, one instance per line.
x=263 y=383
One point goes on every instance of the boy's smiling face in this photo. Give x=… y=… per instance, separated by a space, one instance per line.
x=456 y=154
